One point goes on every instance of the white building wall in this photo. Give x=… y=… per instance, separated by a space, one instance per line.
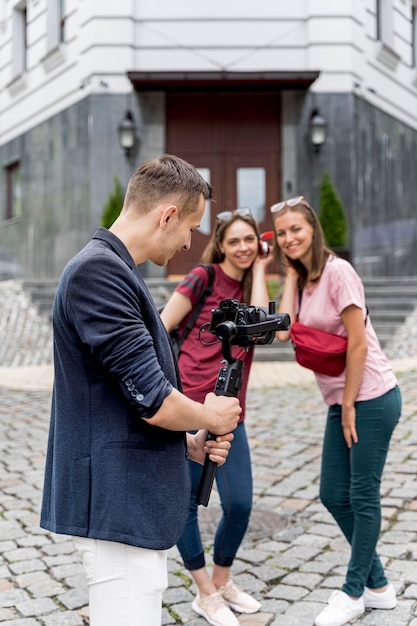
x=106 y=39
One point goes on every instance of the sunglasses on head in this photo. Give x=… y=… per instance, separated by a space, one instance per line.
x=226 y=215
x=292 y=202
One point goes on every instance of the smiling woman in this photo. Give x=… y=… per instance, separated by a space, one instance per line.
x=239 y=273
x=361 y=393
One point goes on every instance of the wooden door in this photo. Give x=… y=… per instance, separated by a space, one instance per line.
x=234 y=140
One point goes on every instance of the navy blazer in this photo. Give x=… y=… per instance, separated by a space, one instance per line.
x=110 y=474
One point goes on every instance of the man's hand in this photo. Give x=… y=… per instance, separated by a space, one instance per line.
x=223 y=413
x=218 y=448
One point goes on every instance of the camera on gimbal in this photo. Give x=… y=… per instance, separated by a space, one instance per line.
x=246 y=325
x=237 y=323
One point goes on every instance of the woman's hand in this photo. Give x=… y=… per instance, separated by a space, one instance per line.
x=262 y=260
x=349 y=425
x=217 y=449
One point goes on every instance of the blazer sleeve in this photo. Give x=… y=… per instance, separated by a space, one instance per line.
x=119 y=329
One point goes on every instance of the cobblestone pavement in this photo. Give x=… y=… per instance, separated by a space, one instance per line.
x=293 y=554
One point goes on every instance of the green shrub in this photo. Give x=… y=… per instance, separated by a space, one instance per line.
x=113 y=205
x=332 y=215
x=274 y=286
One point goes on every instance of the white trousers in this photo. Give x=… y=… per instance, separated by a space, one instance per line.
x=125 y=583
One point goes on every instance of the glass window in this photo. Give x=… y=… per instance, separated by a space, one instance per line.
x=57 y=16
x=205 y=222
x=14 y=191
x=19 y=41
x=251 y=190
x=384 y=22
x=63 y=17
x=414 y=34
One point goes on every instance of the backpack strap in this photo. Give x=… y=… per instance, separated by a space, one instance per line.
x=196 y=312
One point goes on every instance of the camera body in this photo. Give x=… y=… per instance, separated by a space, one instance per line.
x=231 y=310
x=236 y=320
x=237 y=323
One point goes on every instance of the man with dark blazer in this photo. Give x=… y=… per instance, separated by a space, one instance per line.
x=116 y=476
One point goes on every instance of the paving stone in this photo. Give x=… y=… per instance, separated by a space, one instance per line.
x=65 y=618
x=6 y=614
x=256 y=619
x=75 y=598
x=309 y=581
x=22 y=622
x=411 y=592
x=21 y=554
x=27 y=566
x=291 y=568
x=288 y=592
x=9 y=597
x=32 y=608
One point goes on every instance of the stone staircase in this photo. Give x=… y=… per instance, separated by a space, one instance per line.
x=390 y=300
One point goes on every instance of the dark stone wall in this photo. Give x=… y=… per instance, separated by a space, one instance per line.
x=68 y=165
x=370 y=156
x=385 y=218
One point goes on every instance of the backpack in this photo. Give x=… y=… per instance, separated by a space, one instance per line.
x=176 y=338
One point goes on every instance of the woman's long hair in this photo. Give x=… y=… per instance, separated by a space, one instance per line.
x=213 y=254
x=319 y=251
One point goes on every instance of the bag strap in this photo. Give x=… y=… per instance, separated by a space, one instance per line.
x=197 y=310
x=300 y=295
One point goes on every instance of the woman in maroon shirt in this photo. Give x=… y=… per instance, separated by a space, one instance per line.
x=239 y=273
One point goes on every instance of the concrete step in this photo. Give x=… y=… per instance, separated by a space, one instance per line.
x=41 y=293
x=275 y=351
x=376 y=304
x=390 y=300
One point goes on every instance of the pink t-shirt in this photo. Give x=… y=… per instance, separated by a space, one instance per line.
x=199 y=364
x=321 y=307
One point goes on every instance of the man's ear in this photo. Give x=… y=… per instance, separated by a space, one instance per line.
x=167 y=214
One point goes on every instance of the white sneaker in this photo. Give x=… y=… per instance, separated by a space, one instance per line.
x=340 y=610
x=237 y=599
x=384 y=600
x=215 y=610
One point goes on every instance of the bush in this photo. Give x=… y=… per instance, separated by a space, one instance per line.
x=113 y=205
x=332 y=215
x=274 y=286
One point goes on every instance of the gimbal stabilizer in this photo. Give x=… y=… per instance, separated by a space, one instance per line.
x=238 y=324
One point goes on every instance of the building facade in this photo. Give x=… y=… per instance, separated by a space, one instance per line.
x=231 y=87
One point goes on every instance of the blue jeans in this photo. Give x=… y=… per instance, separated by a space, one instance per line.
x=350 y=484
x=234 y=484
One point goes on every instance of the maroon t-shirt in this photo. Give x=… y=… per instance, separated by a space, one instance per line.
x=198 y=362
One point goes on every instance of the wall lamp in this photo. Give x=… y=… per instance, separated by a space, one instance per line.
x=318 y=130
x=126 y=131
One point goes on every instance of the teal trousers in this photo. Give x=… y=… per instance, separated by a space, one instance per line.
x=350 y=484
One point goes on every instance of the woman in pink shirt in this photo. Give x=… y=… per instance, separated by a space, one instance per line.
x=364 y=401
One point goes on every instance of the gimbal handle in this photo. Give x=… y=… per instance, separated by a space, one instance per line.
x=229 y=383
x=229 y=380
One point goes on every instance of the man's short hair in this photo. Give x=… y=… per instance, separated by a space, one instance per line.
x=166 y=178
